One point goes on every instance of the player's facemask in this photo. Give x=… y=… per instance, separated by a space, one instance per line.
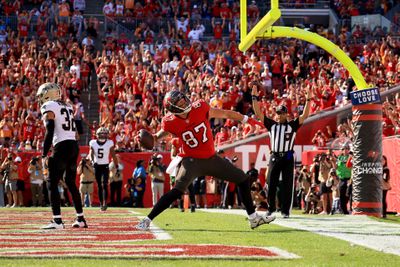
x=177 y=103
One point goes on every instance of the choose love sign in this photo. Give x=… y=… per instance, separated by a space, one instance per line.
x=365 y=96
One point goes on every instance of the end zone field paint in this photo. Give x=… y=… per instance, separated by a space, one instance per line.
x=179 y=251
x=110 y=235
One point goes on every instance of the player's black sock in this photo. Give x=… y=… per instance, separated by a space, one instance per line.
x=54 y=196
x=76 y=197
x=164 y=202
x=244 y=188
x=81 y=218
x=57 y=220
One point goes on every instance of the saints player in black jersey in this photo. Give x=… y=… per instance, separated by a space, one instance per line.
x=58 y=119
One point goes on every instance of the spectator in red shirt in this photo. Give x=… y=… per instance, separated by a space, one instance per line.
x=218 y=28
x=221 y=137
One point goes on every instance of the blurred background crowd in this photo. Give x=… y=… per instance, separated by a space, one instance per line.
x=54 y=41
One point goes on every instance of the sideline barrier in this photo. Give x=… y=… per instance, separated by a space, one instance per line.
x=256 y=151
x=391 y=149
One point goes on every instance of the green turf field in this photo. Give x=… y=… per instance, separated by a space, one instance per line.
x=207 y=228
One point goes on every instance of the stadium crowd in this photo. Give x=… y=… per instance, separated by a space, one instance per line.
x=132 y=78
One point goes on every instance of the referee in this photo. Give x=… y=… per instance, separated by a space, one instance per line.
x=282 y=134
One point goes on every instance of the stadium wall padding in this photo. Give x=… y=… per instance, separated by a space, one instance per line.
x=391 y=149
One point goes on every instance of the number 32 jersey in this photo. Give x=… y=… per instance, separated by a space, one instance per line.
x=64 y=124
x=194 y=132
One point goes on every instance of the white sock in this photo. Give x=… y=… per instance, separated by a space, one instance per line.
x=147 y=219
x=252 y=216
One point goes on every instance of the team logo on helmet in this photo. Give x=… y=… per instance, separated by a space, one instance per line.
x=177 y=102
x=48 y=92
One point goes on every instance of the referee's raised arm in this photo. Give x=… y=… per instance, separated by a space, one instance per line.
x=306 y=111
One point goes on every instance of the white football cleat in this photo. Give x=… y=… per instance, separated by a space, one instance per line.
x=259 y=220
x=54 y=226
x=79 y=224
x=144 y=225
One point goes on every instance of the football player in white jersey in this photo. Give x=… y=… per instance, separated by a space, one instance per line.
x=61 y=133
x=100 y=151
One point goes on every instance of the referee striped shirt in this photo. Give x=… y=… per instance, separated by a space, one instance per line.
x=282 y=135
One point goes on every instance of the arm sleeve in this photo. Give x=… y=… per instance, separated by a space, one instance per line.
x=295 y=124
x=48 y=138
x=142 y=173
x=268 y=123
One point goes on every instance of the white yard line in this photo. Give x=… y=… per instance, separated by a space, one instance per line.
x=156 y=231
x=359 y=230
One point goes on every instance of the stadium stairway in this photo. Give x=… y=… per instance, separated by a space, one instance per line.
x=90 y=99
x=91 y=106
x=94 y=7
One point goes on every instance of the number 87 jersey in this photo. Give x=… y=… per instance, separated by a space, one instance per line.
x=194 y=131
x=64 y=124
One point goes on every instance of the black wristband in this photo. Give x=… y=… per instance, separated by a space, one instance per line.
x=254 y=97
x=308 y=99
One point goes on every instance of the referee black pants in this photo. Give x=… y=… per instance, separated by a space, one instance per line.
x=277 y=166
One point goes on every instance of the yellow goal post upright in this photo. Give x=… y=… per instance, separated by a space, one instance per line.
x=367 y=111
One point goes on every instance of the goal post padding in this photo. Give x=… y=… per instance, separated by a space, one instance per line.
x=367 y=165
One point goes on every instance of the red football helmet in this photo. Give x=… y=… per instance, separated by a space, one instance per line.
x=173 y=102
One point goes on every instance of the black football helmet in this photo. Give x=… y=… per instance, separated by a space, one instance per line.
x=171 y=100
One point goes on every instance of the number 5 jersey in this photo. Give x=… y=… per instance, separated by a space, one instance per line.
x=194 y=131
x=101 y=151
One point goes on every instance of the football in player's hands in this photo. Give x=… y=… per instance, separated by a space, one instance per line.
x=255 y=122
x=146 y=139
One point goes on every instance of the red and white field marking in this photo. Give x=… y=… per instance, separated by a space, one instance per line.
x=110 y=235
x=183 y=251
x=113 y=226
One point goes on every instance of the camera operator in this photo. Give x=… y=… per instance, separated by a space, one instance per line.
x=136 y=186
x=314 y=169
x=116 y=182
x=10 y=180
x=252 y=173
x=36 y=176
x=304 y=185
x=312 y=199
x=86 y=173
x=157 y=174
x=326 y=164
x=333 y=183
x=259 y=196
x=343 y=171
